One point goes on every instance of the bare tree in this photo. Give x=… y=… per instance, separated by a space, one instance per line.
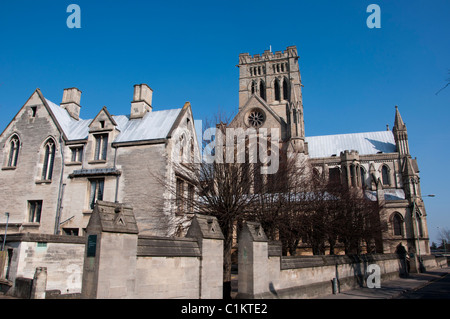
x=278 y=205
x=444 y=236
x=223 y=188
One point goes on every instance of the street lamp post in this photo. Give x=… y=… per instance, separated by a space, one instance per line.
x=6 y=230
x=416 y=221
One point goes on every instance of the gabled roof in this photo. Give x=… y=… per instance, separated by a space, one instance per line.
x=154 y=125
x=104 y=110
x=260 y=103
x=364 y=143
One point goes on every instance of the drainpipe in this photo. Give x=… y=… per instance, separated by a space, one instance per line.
x=61 y=189
x=117 y=177
x=6 y=231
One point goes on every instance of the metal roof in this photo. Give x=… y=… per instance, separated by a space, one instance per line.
x=364 y=143
x=389 y=194
x=154 y=125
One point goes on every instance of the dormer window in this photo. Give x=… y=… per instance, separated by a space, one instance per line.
x=101 y=147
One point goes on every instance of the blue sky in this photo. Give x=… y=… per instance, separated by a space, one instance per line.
x=353 y=76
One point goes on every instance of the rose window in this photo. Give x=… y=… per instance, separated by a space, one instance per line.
x=256 y=118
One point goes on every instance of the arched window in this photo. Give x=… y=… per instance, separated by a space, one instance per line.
x=182 y=144
x=262 y=90
x=419 y=225
x=253 y=87
x=385 y=175
x=352 y=175
x=397 y=223
x=13 y=151
x=363 y=176
x=334 y=175
x=344 y=175
x=49 y=159
x=285 y=90
x=316 y=174
x=192 y=150
x=277 y=90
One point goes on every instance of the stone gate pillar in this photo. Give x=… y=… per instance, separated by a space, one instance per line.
x=253 y=261
x=109 y=269
x=207 y=231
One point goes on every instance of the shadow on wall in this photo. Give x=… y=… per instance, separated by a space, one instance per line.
x=359 y=266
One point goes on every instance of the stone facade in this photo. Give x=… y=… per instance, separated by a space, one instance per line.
x=379 y=162
x=55 y=165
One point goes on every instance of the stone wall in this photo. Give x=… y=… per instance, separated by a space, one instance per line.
x=168 y=268
x=264 y=273
x=119 y=263
x=61 y=255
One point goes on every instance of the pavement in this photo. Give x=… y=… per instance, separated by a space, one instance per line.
x=390 y=289
x=395 y=288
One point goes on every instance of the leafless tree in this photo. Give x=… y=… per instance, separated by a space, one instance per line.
x=444 y=236
x=291 y=204
x=224 y=189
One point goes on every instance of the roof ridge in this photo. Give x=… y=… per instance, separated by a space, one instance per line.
x=383 y=131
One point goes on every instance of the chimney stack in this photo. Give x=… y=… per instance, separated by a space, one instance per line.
x=142 y=101
x=71 y=102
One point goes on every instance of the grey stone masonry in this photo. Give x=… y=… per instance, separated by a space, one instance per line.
x=110 y=254
x=207 y=231
x=252 y=261
x=39 y=283
x=119 y=263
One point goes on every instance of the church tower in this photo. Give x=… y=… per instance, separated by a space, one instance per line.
x=275 y=79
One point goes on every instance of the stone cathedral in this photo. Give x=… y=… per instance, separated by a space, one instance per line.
x=270 y=95
x=56 y=164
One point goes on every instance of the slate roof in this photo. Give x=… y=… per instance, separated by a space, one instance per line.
x=364 y=143
x=154 y=125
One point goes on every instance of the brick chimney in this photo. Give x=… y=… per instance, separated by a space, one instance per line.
x=71 y=102
x=142 y=101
